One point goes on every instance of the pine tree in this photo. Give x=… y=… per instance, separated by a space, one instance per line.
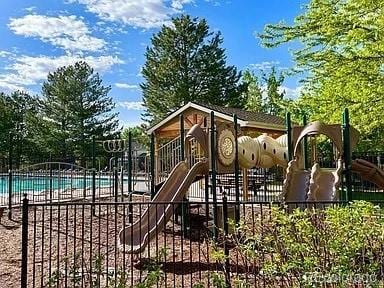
x=274 y=102
x=254 y=92
x=77 y=107
x=265 y=95
x=186 y=63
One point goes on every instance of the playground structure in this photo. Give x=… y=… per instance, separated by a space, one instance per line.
x=256 y=173
x=262 y=148
x=225 y=152
x=209 y=179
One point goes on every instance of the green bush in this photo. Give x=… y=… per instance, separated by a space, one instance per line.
x=339 y=246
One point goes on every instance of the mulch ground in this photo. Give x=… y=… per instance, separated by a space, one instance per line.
x=70 y=247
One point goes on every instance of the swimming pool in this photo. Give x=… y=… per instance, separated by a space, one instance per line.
x=37 y=184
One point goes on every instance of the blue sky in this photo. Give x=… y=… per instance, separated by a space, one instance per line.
x=39 y=36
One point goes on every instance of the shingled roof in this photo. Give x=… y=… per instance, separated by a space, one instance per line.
x=246 y=115
x=245 y=118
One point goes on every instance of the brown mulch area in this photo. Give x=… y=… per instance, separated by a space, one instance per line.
x=10 y=251
x=69 y=247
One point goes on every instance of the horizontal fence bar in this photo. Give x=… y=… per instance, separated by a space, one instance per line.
x=93 y=244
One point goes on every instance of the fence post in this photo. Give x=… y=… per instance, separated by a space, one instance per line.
x=24 y=243
x=130 y=208
x=213 y=173
x=288 y=124
x=129 y=161
x=122 y=172
x=152 y=165
x=347 y=156
x=182 y=135
x=116 y=181
x=237 y=178
x=184 y=205
x=51 y=179
x=305 y=144
x=206 y=182
x=10 y=176
x=226 y=250
x=93 y=174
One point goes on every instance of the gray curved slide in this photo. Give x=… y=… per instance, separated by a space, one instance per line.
x=136 y=236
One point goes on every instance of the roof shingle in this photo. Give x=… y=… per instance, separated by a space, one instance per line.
x=246 y=115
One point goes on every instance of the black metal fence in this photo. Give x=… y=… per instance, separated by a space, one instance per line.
x=362 y=189
x=269 y=245
x=61 y=182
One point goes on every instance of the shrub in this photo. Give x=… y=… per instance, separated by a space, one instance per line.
x=340 y=246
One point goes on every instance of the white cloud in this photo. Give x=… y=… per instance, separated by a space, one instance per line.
x=127 y=86
x=128 y=123
x=67 y=32
x=291 y=93
x=137 y=13
x=28 y=70
x=265 y=65
x=131 y=105
x=30 y=9
x=178 y=4
x=5 y=53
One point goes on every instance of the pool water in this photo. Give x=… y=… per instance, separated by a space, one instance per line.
x=37 y=184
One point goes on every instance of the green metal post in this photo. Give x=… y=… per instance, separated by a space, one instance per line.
x=184 y=205
x=305 y=145
x=237 y=176
x=152 y=165
x=182 y=136
x=347 y=156
x=289 y=134
x=213 y=173
x=206 y=183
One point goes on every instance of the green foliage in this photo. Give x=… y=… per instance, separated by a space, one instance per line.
x=296 y=247
x=254 y=92
x=274 y=102
x=264 y=95
x=198 y=285
x=185 y=62
x=79 y=272
x=139 y=135
x=20 y=118
x=341 y=55
x=76 y=107
x=154 y=270
x=218 y=280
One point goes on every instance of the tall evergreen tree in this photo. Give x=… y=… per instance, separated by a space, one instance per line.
x=275 y=99
x=254 y=92
x=265 y=95
x=186 y=63
x=77 y=107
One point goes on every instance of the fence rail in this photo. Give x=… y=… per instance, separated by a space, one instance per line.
x=272 y=244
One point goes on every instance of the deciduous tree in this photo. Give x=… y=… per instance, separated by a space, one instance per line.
x=342 y=56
